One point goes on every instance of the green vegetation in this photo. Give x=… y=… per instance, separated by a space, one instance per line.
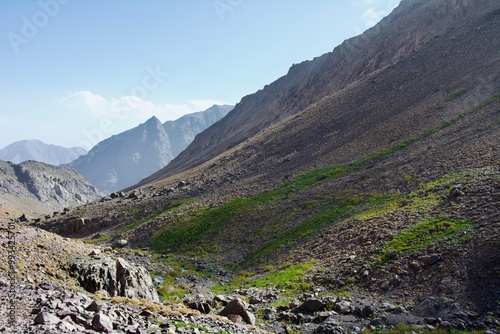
x=422 y=234
x=456 y=93
x=290 y=278
x=102 y=238
x=169 y=208
x=172 y=290
x=281 y=217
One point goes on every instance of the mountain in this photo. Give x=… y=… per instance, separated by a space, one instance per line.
x=389 y=43
x=183 y=130
x=364 y=182
x=36 y=150
x=36 y=187
x=126 y=158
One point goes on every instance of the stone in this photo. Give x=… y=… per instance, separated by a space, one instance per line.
x=181 y=184
x=430 y=259
x=377 y=322
x=76 y=225
x=95 y=252
x=312 y=305
x=120 y=243
x=94 y=307
x=366 y=311
x=237 y=319
x=238 y=307
x=399 y=310
x=102 y=323
x=202 y=307
x=430 y=307
x=456 y=191
x=117 y=277
x=23 y=218
x=322 y=316
x=395 y=281
x=391 y=254
x=343 y=307
x=45 y=318
x=329 y=326
x=135 y=282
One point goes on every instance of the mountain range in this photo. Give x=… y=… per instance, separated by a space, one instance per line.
x=36 y=150
x=363 y=186
x=124 y=159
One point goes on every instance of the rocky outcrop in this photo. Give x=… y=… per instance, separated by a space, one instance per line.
x=117 y=277
x=36 y=186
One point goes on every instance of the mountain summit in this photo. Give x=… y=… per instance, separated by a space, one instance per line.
x=126 y=158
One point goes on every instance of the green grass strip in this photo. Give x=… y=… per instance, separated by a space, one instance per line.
x=424 y=233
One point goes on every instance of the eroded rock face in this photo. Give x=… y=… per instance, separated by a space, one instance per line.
x=117 y=277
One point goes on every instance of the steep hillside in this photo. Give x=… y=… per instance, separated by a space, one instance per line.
x=36 y=150
x=411 y=25
x=35 y=187
x=124 y=159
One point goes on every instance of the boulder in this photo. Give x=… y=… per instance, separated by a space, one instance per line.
x=430 y=307
x=45 y=318
x=76 y=225
x=120 y=243
x=329 y=326
x=238 y=307
x=312 y=305
x=102 y=323
x=200 y=306
x=117 y=277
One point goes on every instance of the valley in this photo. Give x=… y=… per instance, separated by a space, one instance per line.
x=359 y=193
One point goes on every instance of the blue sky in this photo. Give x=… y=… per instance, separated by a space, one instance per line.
x=74 y=72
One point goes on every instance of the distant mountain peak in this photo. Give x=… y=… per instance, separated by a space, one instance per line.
x=36 y=150
x=126 y=158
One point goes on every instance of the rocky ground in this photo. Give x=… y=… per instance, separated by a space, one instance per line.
x=60 y=285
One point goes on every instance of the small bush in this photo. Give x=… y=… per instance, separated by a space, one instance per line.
x=456 y=93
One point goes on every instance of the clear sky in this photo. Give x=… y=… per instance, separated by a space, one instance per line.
x=73 y=72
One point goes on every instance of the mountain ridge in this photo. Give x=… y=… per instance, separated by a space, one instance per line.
x=33 y=186
x=126 y=158
x=37 y=150
x=326 y=74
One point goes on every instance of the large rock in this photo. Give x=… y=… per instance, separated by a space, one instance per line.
x=102 y=323
x=238 y=307
x=312 y=305
x=117 y=277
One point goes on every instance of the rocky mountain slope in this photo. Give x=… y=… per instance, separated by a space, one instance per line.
x=182 y=131
x=126 y=158
x=338 y=205
x=35 y=187
x=396 y=37
x=36 y=150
